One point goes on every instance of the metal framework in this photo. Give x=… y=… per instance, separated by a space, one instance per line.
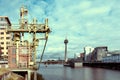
x=25 y=27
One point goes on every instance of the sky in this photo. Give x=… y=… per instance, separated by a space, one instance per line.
x=84 y=22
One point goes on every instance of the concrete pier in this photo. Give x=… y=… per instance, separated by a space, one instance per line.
x=76 y=64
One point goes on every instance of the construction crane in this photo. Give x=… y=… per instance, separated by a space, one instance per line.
x=32 y=28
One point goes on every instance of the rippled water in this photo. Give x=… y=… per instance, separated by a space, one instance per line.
x=59 y=72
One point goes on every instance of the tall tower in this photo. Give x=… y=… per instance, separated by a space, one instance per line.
x=65 y=42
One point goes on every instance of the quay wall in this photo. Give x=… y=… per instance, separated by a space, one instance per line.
x=115 y=66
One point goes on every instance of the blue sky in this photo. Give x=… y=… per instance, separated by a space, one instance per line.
x=84 y=22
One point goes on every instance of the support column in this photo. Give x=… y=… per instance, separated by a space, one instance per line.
x=35 y=75
x=29 y=75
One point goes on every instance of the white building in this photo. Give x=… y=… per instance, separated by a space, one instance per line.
x=87 y=51
x=5 y=37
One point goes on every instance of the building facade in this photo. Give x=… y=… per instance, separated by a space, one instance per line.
x=87 y=52
x=96 y=55
x=5 y=37
x=99 y=53
x=24 y=57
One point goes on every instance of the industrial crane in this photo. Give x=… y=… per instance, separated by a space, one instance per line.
x=32 y=28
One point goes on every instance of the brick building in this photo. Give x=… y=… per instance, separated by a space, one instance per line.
x=24 y=57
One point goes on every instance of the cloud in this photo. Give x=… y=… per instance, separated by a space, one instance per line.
x=84 y=22
x=85 y=4
x=96 y=11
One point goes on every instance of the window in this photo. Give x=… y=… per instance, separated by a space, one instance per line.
x=13 y=60
x=24 y=51
x=2 y=25
x=14 y=50
x=7 y=37
x=2 y=19
x=2 y=42
x=2 y=33
x=7 y=32
x=7 y=43
x=2 y=47
x=2 y=38
x=6 y=47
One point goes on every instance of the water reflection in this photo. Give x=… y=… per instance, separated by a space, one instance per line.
x=58 y=72
x=94 y=74
x=64 y=73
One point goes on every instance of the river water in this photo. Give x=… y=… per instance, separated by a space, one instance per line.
x=59 y=72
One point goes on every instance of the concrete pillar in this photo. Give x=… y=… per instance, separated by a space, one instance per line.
x=35 y=75
x=29 y=75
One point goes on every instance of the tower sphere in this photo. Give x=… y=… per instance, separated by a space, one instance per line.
x=65 y=41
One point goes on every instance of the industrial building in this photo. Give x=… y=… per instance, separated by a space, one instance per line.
x=24 y=57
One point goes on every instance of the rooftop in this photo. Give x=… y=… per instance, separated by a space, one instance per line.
x=6 y=17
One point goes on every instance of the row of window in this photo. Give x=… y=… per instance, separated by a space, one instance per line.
x=3 y=38
x=2 y=28
x=6 y=43
x=20 y=64
x=3 y=24
x=2 y=19
x=3 y=47
x=22 y=51
x=2 y=33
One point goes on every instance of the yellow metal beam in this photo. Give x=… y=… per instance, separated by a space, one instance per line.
x=27 y=31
